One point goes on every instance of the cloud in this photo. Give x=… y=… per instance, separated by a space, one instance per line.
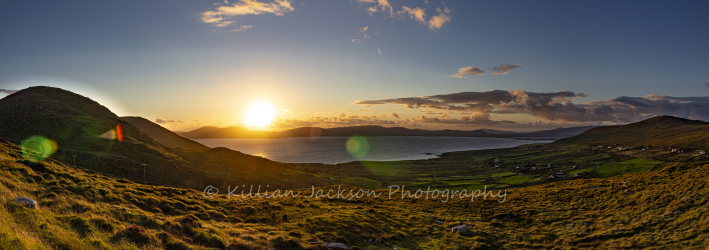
x=504 y=69
x=364 y=32
x=244 y=7
x=499 y=70
x=419 y=14
x=243 y=28
x=7 y=91
x=336 y=121
x=552 y=106
x=462 y=72
x=395 y=115
x=707 y=84
x=475 y=119
x=439 y=20
x=168 y=121
x=381 y=5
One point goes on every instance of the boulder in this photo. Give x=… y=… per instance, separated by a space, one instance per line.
x=332 y=245
x=27 y=202
x=461 y=228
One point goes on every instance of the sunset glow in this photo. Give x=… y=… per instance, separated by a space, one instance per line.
x=259 y=115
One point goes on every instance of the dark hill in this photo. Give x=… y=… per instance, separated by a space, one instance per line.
x=75 y=123
x=663 y=131
x=163 y=135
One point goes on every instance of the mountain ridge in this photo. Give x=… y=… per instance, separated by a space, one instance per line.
x=210 y=132
x=664 y=131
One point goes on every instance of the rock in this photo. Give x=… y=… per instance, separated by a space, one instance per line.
x=332 y=245
x=461 y=228
x=27 y=202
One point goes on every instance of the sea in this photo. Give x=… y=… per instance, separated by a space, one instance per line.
x=331 y=150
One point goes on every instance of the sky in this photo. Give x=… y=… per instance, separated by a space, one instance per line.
x=506 y=65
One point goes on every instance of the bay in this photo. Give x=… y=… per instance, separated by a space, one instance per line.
x=331 y=150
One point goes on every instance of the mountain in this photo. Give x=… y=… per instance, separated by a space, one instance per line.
x=663 y=131
x=230 y=132
x=86 y=134
x=163 y=135
x=556 y=133
x=239 y=132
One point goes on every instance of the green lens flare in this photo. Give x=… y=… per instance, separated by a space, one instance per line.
x=38 y=148
x=358 y=146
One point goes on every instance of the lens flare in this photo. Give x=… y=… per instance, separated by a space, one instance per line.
x=38 y=148
x=113 y=134
x=357 y=146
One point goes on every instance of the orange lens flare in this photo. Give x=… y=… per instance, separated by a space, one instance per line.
x=113 y=134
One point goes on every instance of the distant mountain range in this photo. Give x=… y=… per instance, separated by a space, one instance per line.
x=240 y=132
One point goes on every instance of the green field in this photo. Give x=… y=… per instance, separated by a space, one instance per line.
x=629 y=166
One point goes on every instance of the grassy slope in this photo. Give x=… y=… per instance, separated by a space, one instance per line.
x=80 y=210
x=164 y=136
x=661 y=131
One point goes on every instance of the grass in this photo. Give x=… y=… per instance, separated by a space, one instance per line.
x=515 y=180
x=83 y=210
x=629 y=166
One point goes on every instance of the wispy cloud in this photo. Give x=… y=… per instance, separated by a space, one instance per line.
x=504 y=69
x=381 y=6
x=462 y=72
x=499 y=70
x=219 y=16
x=162 y=121
x=363 y=30
x=419 y=14
x=336 y=121
x=243 y=28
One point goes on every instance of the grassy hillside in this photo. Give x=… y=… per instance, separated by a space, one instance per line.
x=665 y=209
x=661 y=131
x=163 y=135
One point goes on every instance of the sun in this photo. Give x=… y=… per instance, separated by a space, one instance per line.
x=260 y=114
